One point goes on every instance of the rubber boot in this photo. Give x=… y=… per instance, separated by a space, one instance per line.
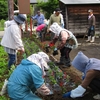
x=37 y=35
x=67 y=62
x=89 y=38
x=61 y=62
x=64 y=62
x=97 y=97
x=93 y=38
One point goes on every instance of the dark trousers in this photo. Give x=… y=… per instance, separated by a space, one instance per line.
x=95 y=85
x=91 y=32
x=12 y=60
x=52 y=35
x=43 y=33
x=65 y=58
x=65 y=52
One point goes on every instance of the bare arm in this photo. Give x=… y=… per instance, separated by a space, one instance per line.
x=90 y=75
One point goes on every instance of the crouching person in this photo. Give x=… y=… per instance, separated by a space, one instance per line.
x=41 y=31
x=91 y=69
x=67 y=42
x=27 y=78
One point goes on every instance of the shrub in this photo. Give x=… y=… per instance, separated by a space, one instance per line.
x=2 y=25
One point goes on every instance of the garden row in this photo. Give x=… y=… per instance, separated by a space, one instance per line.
x=58 y=81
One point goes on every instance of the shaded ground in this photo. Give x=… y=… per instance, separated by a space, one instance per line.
x=92 y=50
x=89 y=49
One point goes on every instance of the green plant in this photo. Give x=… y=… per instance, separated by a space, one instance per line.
x=57 y=78
x=48 y=7
x=3 y=9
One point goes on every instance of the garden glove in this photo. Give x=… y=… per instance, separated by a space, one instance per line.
x=97 y=97
x=55 y=52
x=92 y=28
x=77 y=92
x=47 y=48
x=67 y=95
x=21 y=50
x=4 y=87
x=51 y=44
x=44 y=90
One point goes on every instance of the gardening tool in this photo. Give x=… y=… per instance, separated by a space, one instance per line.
x=47 y=49
x=55 y=52
x=4 y=88
x=55 y=60
x=48 y=46
x=83 y=39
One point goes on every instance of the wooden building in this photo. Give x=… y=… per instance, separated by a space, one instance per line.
x=75 y=13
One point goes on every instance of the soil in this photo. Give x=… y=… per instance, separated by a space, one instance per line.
x=89 y=49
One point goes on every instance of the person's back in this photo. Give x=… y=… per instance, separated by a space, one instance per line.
x=14 y=42
x=91 y=75
x=41 y=31
x=9 y=32
x=40 y=27
x=27 y=78
x=21 y=79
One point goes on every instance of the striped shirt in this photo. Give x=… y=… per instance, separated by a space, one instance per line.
x=9 y=50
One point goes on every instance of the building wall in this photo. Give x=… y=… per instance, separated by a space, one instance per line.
x=76 y=17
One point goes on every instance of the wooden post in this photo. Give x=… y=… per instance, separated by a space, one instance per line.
x=10 y=9
x=26 y=26
x=30 y=26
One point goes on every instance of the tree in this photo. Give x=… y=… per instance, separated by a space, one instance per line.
x=3 y=9
x=48 y=6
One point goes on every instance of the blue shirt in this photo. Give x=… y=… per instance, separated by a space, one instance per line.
x=40 y=19
x=25 y=77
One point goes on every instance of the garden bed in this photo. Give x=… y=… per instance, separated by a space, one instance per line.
x=73 y=81
x=64 y=78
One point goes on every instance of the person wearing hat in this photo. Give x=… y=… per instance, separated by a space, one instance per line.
x=90 y=67
x=27 y=78
x=55 y=17
x=39 y=17
x=91 y=26
x=11 y=40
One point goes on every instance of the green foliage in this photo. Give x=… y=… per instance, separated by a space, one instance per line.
x=15 y=1
x=2 y=57
x=3 y=69
x=48 y=7
x=3 y=9
x=2 y=24
x=30 y=47
x=11 y=70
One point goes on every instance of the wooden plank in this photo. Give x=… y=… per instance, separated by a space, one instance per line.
x=24 y=6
